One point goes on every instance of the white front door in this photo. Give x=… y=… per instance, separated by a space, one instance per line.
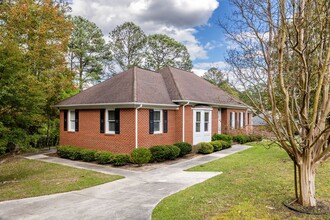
x=219 y=121
x=202 y=125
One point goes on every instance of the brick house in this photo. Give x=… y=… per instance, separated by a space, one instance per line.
x=139 y=107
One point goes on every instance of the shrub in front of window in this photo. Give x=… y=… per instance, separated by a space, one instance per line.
x=222 y=137
x=241 y=138
x=88 y=155
x=159 y=153
x=141 y=156
x=173 y=152
x=69 y=152
x=205 y=148
x=255 y=137
x=120 y=159
x=185 y=148
x=217 y=145
x=103 y=157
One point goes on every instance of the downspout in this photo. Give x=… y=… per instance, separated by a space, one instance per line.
x=136 y=126
x=183 y=119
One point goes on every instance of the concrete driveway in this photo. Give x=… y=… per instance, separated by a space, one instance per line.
x=133 y=197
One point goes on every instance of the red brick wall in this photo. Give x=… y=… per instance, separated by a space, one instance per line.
x=214 y=121
x=225 y=122
x=188 y=137
x=89 y=135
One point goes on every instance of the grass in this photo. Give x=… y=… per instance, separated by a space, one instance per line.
x=22 y=178
x=253 y=185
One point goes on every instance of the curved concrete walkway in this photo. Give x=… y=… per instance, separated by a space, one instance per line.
x=133 y=197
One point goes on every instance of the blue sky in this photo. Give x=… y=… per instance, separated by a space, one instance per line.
x=192 y=22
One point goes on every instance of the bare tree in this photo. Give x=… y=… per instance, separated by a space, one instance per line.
x=283 y=50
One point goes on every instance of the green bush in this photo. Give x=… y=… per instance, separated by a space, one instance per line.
x=217 y=145
x=120 y=159
x=69 y=152
x=222 y=137
x=205 y=148
x=173 y=152
x=255 y=137
x=88 y=155
x=225 y=144
x=185 y=148
x=241 y=138
x=141 y=156
x=159 y=153
x=104 y=157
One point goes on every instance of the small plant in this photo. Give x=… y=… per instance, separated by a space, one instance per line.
x=173 y=152
x=205 y=148
x=185 y=148
x=159 y=153
x=222 y=137
x=225 y=144
x=103 y=157
x=69 y=152
x=241 y=138
x=255 y=137
x=141 y=156
x=88 y=155
x=120 y=159
x=217 y=145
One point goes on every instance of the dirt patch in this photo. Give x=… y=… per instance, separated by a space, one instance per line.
x=9 y=158
x=322 y=208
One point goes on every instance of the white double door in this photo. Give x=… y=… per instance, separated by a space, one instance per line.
x=202 y=125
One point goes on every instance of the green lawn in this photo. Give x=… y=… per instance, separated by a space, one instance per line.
x=253 y=185
x=21 y=178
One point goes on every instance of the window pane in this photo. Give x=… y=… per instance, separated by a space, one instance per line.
x=72 y=125
x=72 y=115
x=111 y=115
x=111 y=126
x=198 y=127
x=206 y=126
x=206 y=116
x=198 y=116
x=156 y=126
x=157 y=115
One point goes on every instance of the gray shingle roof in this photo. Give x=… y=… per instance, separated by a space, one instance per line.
x=138 y=85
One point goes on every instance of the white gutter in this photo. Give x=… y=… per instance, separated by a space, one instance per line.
x=213 y=104
x=136 y=126
x=183 y=119
x=120 y=104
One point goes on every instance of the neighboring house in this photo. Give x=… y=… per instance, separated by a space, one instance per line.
x=139 y=107
x=259 y=120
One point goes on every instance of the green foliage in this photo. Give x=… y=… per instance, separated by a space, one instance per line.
x=241 y=138
x=120 y=159
x=69 y=152
x=88 y=155
x=165 y=51
x=185 y=148
x=217 y=145
x=159 y=153
x=205 y=148
x=255 y=137
x=141 y=156
x=225 y=144
x=104 y=157
x=173 y=152
x=126 y=45
x=223 y=137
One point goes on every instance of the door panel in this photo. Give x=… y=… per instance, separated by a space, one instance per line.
x=202 y=126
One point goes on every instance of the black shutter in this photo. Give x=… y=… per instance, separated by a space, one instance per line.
x=151 y=121
x=165 y=120
x=117 y=121
x=102 y=112
x=76 y=114
x=65 y=112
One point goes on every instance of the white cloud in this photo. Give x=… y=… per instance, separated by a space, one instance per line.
x=198 y=72
x=219 y=64
x=176 y=18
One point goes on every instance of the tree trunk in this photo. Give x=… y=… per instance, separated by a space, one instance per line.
x=307 y=182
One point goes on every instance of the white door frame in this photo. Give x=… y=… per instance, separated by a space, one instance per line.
x=202 y=135
x=219 y=121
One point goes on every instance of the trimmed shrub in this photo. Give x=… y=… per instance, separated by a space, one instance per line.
x=185 y=148
x=88 y=155
x=255 y=137
x=205 y=148
x=69 y=152
x=173 y=152
x=222 y=137
x=141 y=156
x=241 y=138
x=159 y=153
x=103 y=157
x=217 y=145
x=120 y=159
x=225 y=144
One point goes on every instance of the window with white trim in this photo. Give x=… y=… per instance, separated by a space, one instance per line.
x=206 y=121
x=72 y=120
x=232 y=120
x=241 y=119
x=110 y=121
x=158 y=126
x=198 y=122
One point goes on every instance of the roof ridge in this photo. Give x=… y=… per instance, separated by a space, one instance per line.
x=175 y=84
x=134 y=85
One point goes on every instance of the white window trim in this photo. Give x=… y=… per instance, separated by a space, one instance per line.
x=208 y=121
x=160 y=121
x=232 y=122
x=241 y=125
x=69 y=121
x=107 y=122
x=200 y=121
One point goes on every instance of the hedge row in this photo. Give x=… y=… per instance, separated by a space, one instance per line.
x=241 y=138
x=139 y=156
x=207 y=148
